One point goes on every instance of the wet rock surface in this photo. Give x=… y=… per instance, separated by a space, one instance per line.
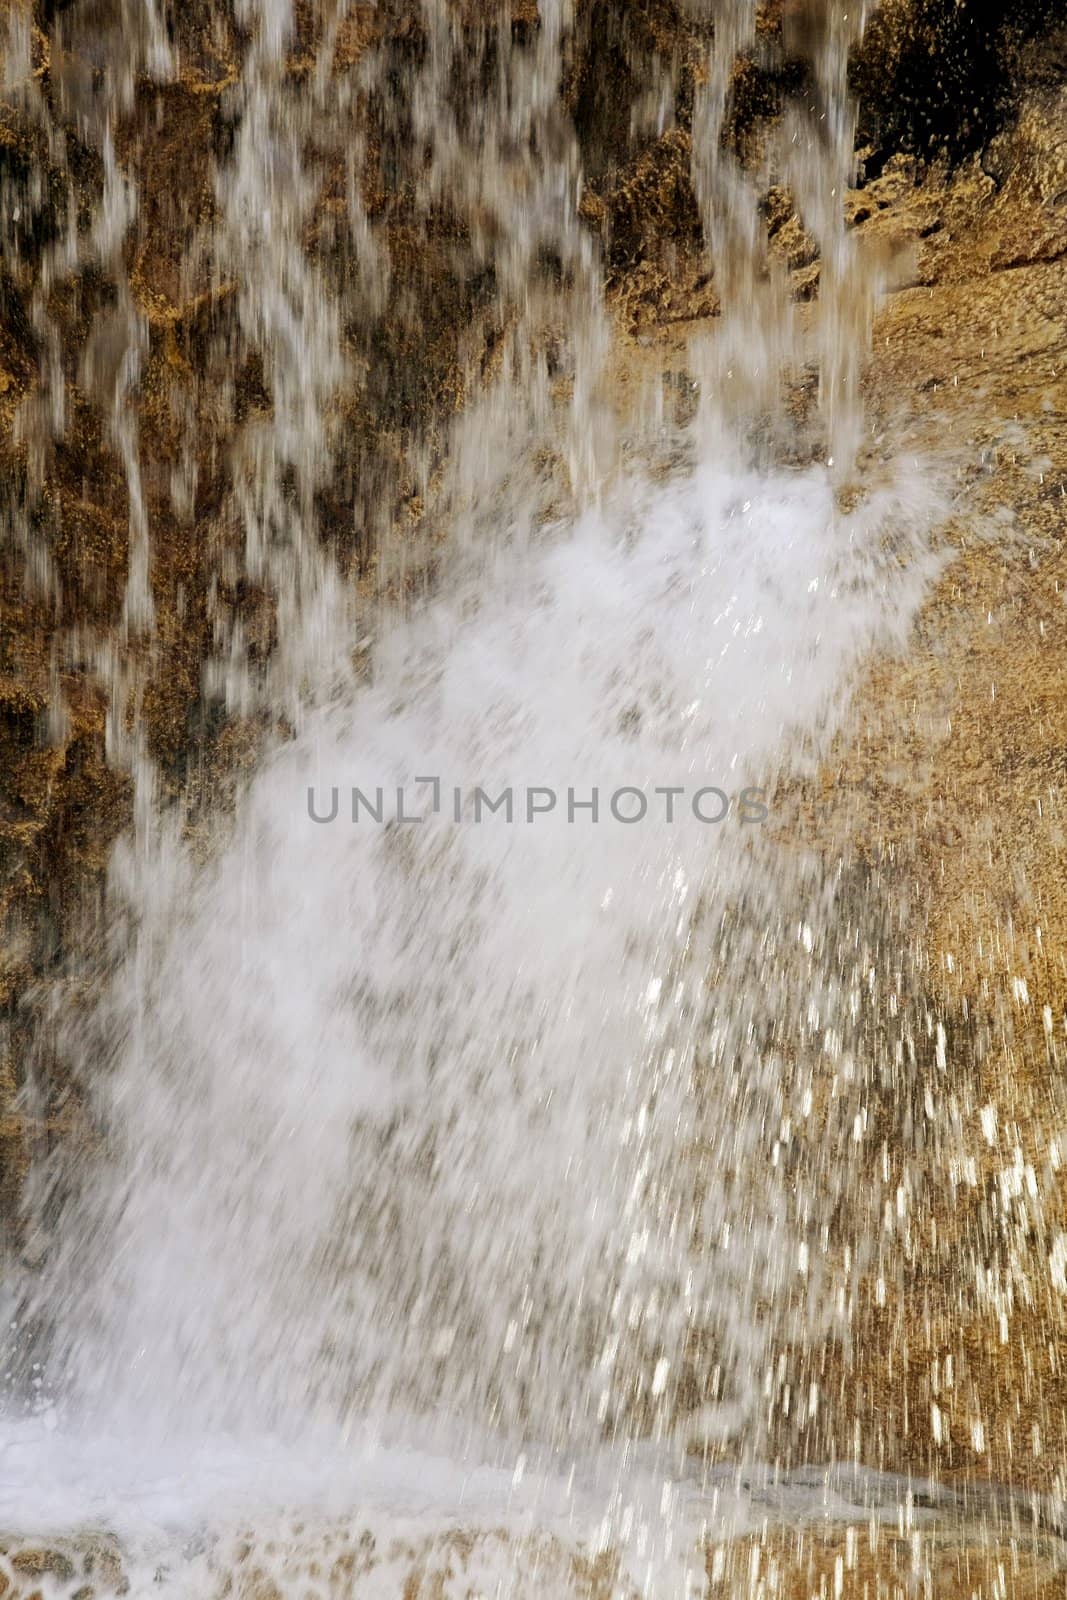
x=863 y=1562
x=953 y=787
x=947 y=804
x=86 y=1567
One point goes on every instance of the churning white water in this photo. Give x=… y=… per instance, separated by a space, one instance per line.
x=438 y=1184
x=428 y=1131
x=405 y=1099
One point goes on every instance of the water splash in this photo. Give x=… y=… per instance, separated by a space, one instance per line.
x=414 y=1099
x=468 y=1132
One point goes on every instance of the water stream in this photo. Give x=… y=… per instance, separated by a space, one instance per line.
x=442 y=1103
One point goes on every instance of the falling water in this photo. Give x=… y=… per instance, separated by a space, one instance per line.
x=442 y=1104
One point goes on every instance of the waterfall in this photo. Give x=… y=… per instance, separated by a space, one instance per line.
x=443 y=1101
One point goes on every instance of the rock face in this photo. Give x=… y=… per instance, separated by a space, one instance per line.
x=953 y=786
x=858 y=1562
x=949 y=801
x=89 y=1567
x=934 y=76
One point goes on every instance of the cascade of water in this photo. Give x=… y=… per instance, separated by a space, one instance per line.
x=848 y=290
x=114 y=353
x=472 y=1126
x=812 y=152
x=741 y=367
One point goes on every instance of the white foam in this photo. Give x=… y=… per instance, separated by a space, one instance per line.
x=397 y=1111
